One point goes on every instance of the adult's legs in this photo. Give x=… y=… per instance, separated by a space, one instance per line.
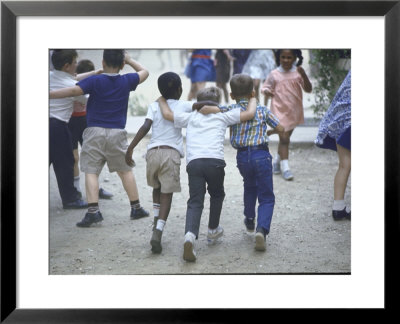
x=223 y=87
x=256 y=83
x=194 y=89
x=343 y=172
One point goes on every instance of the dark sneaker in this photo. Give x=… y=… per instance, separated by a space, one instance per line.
x=260 y=240
x=341 y=214
x=105 y=194
x=139 y=213
x=156 y=241
x=249 y=222
x=90 y=219
x=77 y=204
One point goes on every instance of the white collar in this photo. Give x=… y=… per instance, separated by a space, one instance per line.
x=111 y=74
x=293 y=69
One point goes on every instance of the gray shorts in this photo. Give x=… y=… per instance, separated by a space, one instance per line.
x=101 y=145
x=163 y=169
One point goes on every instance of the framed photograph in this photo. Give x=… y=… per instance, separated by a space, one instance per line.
x=31 y=287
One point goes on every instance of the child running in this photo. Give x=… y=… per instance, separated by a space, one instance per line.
x=285 y=85
x=205 y=136
x=105 y=138
x=164 y=153
x=250 y=138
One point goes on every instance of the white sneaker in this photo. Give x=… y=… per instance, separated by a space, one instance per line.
x=188 y=249
x=214 y=234
x=260 y=242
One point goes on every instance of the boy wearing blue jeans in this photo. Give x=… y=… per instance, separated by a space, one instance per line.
x=250 y=138
x=105 y=138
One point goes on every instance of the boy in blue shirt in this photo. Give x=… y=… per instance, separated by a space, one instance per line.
x=105 y=138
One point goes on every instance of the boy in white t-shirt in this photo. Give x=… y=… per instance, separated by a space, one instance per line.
x=205 y=137
x=164 y=152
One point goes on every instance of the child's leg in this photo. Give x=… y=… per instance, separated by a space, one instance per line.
x=92 y=187
x=129 y=183
x=215 y=175
x=249 y=184
x=283 y=152
x=343 y=172
x=197 y=190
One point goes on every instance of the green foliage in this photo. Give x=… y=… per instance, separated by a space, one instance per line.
x=329 y=74
x=137 y=106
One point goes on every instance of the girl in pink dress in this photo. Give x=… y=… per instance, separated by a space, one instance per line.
x=285 y=85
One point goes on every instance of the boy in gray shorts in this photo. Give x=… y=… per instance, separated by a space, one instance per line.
x=105 y=138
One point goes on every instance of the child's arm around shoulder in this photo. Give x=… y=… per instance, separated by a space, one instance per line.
x=85 y=75
x=206 y=107
x=140 y=69
x=250 y=110
x=165 y=110
x=66 y=92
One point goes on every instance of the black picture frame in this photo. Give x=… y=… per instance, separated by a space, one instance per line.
x=10 y=10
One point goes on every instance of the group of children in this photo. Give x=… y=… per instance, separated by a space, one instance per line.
x=105 y=140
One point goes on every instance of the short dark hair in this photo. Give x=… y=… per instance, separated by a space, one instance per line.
x=114 y=57
x=60 y=57
x=84 y=66
x=211 y=93
x=241 y=85
x=170 y=85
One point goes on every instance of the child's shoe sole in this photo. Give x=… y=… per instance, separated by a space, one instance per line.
x=260 y=242
x=188 y=253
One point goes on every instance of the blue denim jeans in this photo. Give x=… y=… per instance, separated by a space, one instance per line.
x=256 y=169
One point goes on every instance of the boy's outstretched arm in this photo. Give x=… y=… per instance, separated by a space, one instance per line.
x=138 y=137
x=66 y=92
x=250 y=110
x=206 y=107
x=85 y=75
x=140 y=69
x=165 y=110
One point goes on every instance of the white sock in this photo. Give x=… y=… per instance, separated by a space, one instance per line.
x=77 y=184
x=156 y=209
x=284 y=165
x=189 y=236
x=277 y=158
x=338 y=205
x=160 y=225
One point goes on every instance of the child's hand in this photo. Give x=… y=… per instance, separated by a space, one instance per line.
x=128 y=157
x=206 y=110
x=277 y=130
x=99 y=71
x=268 y=93
x=301 y=70
x=127 y=57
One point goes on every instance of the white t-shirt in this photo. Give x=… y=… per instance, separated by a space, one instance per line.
x=163 y=131
x=205 y=134
x=62 y=108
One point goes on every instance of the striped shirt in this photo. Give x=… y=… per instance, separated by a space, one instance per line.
x=252 y=132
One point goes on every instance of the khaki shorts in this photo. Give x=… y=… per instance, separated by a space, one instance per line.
x=163 y=169
x=101 y=145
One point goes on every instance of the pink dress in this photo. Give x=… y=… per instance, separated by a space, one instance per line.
x=287 y=102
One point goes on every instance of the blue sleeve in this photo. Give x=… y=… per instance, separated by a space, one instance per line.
x=86 y=84
x=133 y=79
x=224 y=108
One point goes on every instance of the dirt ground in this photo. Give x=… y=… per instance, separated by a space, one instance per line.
x=303 y=238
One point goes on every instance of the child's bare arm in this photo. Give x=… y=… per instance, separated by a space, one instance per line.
x=140 y=69
x=82 y=76
x=307 y=83
x=165 y=110
x=66 y=92
x=206 y=107
x=250 y=110
x=138 y=137
x=277 y=130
